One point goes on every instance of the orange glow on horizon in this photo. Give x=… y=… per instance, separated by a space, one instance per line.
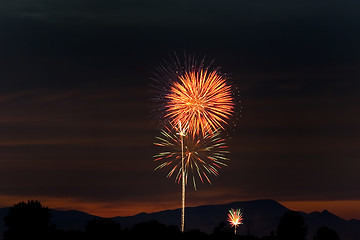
x=346 y=209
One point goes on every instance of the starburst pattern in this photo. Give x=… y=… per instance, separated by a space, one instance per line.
x=201 y=98
x=203 y=155
x=235 y=218
x=193 y=93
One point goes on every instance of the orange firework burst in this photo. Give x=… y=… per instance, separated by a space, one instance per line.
x=194 y=94
x=200 y=98
x=235 y=218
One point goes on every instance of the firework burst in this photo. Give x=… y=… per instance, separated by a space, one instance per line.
x=235 y=218
x=201 y=98
x=203 y=155
x=192 y=94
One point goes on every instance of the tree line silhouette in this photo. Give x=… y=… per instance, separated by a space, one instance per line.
x=31 y=220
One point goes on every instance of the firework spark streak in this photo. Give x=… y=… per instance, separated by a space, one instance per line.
x=235 y=218
x=203 y=155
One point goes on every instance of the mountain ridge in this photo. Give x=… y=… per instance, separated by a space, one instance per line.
x=260 y=218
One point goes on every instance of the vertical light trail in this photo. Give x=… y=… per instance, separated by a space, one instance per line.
x=182 y=134
x=183 y=185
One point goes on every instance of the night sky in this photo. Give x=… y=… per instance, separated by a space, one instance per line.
x=76 y=130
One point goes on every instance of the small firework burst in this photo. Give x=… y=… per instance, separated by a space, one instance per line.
x=235 y=218
x=203 y=155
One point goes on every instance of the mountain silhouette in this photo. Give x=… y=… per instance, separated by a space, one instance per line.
x=347 y=229
x=260 y=218
x=71 y=220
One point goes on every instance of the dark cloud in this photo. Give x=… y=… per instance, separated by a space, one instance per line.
x=69 y=42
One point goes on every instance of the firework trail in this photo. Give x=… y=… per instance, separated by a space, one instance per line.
x=182 y=133
x=203 y=155
x=235 y=218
